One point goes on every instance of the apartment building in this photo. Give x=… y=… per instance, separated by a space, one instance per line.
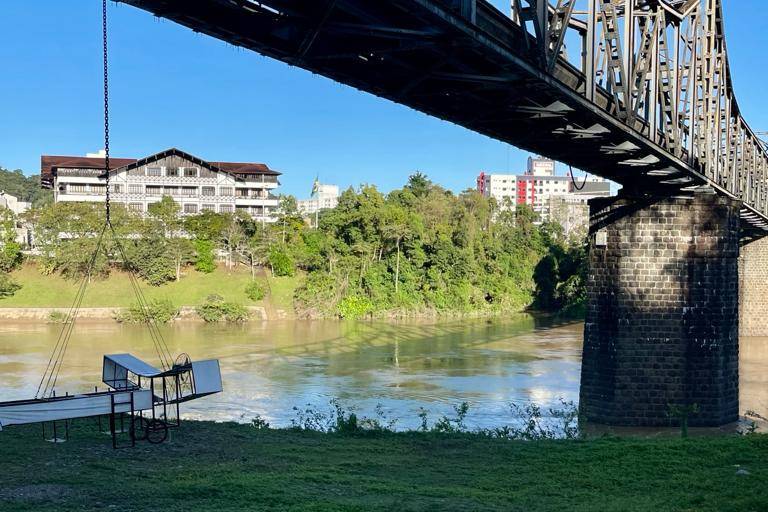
x=534 y=187
x=324 y=197
x=539 y=186
x=196 y=184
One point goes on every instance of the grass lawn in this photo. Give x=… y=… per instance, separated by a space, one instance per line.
x=225 y=467
x=54 y=291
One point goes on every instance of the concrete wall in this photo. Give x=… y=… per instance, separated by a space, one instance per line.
x=662 y=317
x=753 y=289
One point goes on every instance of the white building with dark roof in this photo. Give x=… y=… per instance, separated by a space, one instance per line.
x=195 y=184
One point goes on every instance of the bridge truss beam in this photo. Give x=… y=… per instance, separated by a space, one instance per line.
x=637 y=91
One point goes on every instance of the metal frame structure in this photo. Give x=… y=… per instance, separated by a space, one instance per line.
x=665 y=64
x=636 y=91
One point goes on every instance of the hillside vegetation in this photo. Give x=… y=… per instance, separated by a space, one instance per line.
x=419 y=249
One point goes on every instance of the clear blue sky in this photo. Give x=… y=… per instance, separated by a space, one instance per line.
x=172 y=87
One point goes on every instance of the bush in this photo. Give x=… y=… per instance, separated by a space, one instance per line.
x=57 y=317
x=8 y=286
x=159 y=311
x=205 y=261
x=281 y=262
x=216 y=309
x=255 y=291
x=10 y=255
x=355 y=306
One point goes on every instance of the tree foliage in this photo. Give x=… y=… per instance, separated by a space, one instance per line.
x=420 y=248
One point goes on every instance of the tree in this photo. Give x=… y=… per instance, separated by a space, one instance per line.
x=178 y=246
x=419 y=184
x=395 y=228
x=206 y=225
x=233 y=236
x=204 y=260
x=25 y=188
x=10 y=250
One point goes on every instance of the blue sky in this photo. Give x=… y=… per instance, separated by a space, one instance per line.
x=172 y=87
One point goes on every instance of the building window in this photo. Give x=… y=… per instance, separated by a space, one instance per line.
x=98 y=189
x=135 y=189
x=154 y=171
x=209 y=191
x=225 y=191
x=117 y=188
x=189 y=191
x=208 y=207
x=136 y=207
x=190 y=172
x=76 y=188
x=172 y=172
x=190 y=208
x=154 y=191
x=226 y=208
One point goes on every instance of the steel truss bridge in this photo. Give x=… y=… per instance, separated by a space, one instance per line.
x=636 y=91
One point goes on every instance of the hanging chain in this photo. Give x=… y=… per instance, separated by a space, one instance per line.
x=573 y=180
x=106 y=99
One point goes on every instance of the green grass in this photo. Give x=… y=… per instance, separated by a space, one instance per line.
x=54 y=291
x=227 y=467
x=282 y=289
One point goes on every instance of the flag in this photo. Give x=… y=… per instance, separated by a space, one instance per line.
x=315 y=186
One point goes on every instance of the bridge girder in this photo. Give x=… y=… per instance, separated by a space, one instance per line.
x=646 y=100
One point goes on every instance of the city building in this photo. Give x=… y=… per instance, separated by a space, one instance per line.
x=12 y=203
x=543 y=190
x=324 y=197
x=22 y=228
x=196 y=184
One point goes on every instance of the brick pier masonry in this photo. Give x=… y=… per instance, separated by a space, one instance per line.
x=753 y=289
x=662 y=320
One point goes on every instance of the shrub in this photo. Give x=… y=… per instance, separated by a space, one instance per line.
x=159 y=311
x=281 y=262
x=354 y=306
x=10 y=255
x=57 y=317
x=255 y=291
x=205 y=261
x=8 y=286
x=216 y=309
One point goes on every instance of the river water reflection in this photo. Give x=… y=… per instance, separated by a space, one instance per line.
x=268 y=368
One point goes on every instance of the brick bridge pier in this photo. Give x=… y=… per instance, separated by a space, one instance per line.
x=662 y=325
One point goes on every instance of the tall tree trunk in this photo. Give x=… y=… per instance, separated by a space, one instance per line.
x=397 y=267
x=178 y=268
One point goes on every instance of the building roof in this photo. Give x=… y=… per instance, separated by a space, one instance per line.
x=49 y=164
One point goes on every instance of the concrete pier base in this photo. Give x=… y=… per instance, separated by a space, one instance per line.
x=753 y=289
x=662 y=320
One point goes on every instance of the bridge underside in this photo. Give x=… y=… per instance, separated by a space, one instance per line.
x=468 y=66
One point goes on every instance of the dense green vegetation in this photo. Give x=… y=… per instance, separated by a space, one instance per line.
x=223 y=467
x=25 y=188
x=419 y=249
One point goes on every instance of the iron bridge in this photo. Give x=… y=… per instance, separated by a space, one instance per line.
x=635 y=91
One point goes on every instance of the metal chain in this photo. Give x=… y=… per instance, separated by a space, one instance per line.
x=573 y=179
x=106 y=100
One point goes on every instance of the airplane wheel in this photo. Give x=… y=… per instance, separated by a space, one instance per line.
x=157 y=431
x=140 y=428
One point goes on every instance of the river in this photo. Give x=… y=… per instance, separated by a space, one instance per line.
x=271 y=367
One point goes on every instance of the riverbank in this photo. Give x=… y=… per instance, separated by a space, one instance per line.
x=209 y=466
x=45 y=297
x=40 y=295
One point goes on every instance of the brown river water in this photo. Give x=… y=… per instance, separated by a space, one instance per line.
x=269 y=368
